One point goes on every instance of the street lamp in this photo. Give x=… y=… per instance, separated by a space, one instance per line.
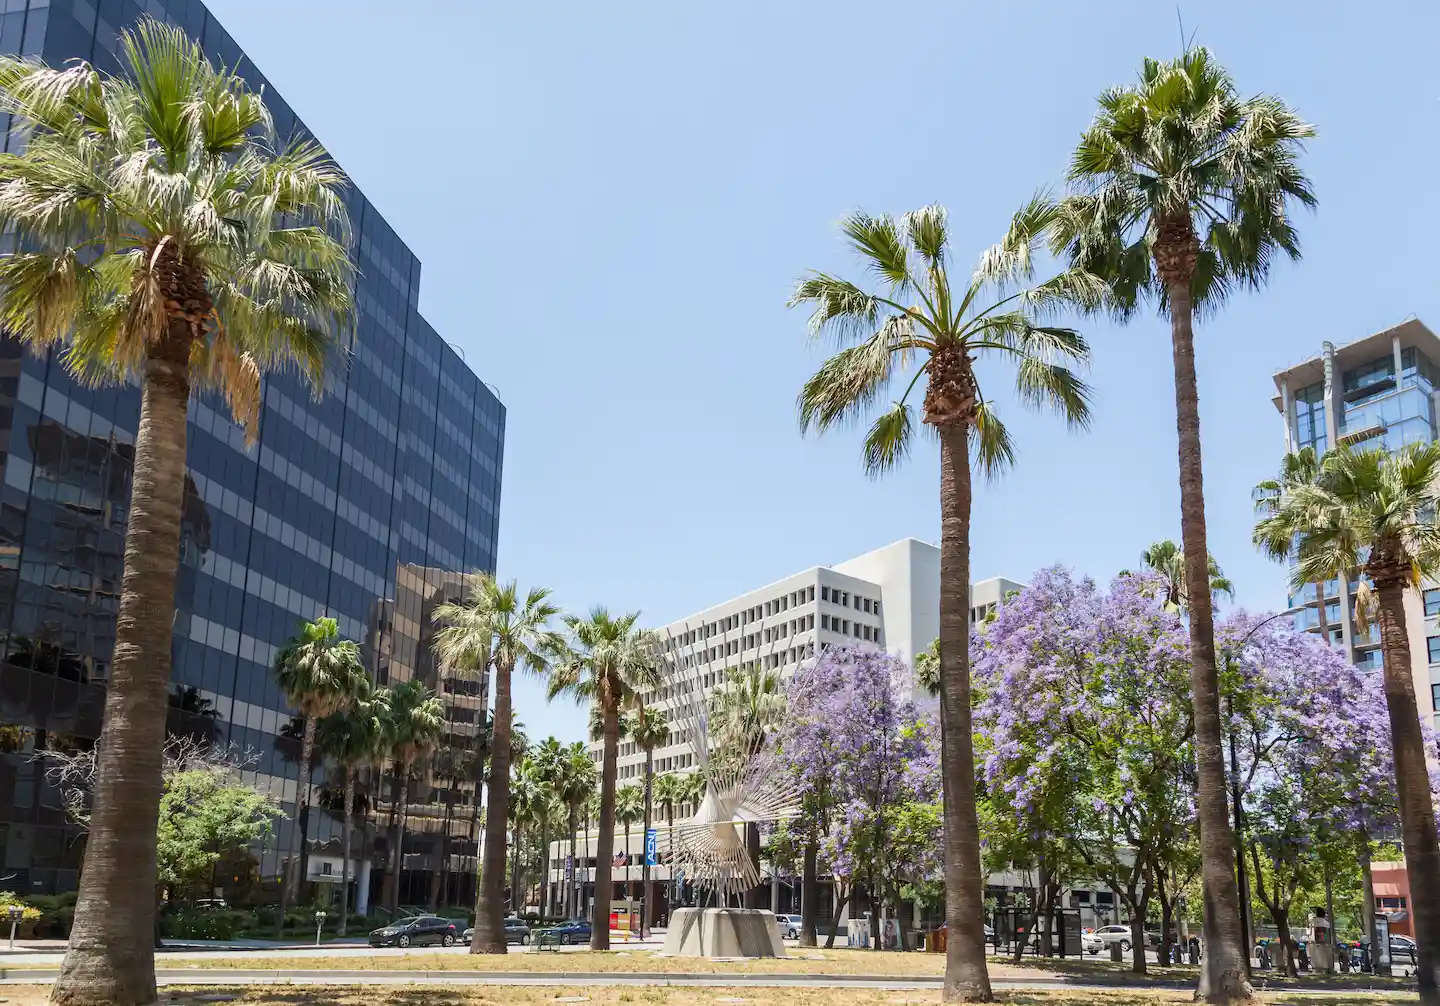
x=1247 y=920
x=319 y=923
x=16 y=913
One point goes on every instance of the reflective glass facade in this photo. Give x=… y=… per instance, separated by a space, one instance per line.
x=396 y=469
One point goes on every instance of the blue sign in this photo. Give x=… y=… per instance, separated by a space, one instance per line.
x=569 y=867
x=652 y=848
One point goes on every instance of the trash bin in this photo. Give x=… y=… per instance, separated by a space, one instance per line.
x=1116 y=954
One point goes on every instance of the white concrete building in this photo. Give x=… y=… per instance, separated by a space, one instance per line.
x=888 y=598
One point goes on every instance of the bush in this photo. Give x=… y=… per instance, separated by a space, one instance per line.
x=57 y=912
x=201 y=924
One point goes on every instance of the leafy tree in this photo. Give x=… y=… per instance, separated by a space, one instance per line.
x=649 y=728
x=1373 y=513
x=162 y=235
x=921 y=323
x=320 y=672
x=494 y=625
x=852 y=728
x=355 y=736
x=1180 y=194
x=611 y=661
x=206 y=815
x=414 y=724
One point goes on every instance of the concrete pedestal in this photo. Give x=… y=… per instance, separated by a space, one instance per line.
x=723 y=932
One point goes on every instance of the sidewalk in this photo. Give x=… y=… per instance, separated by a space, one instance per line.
x=58 y=946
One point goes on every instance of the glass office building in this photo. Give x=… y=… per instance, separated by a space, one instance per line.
x=393 y=475
x=1380 y=391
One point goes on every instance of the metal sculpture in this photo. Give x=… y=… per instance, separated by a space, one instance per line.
x=744 y=785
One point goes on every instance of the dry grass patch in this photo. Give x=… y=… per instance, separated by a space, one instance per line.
x=316 y=995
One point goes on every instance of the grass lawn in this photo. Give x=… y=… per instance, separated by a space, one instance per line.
x=34 y=995
x=801 y=961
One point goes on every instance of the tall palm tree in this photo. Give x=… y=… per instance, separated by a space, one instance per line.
x=527 y=797
x=413 y=726
x=921 y=323
x=648 y=728
x=629 y=809
x=355 y=737
x=692 y=789
x=493 y=622
x=546 y=762
x=1372 y=514
x=576 y=780
x=1168 y=560
x=610 y=663
x=1180 y=194
x=164 y=237
x=320 y=672
x=669 y=791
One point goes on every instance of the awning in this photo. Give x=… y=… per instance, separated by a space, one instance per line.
x=1387 y=891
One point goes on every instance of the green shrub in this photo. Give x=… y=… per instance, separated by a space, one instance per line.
x=57 y=912
x=201 y=924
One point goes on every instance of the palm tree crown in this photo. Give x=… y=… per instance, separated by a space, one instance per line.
x=160 y=214
x=921 y=323
x=1168 y=560
x=1370 y=512
x=610 y=661
x=493 y=623
x=319 y=670
x=744 y=711
x=416 y=721
x=1180 y=175
x=648 y=727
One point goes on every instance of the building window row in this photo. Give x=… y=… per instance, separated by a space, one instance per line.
x=981 y=612
x=843 y=598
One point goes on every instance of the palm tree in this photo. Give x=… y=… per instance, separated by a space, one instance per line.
x=610 y=663
x=744 y=711
x=692 y=790
x=355 y=737
x=629 y=809
x=1181 y=191
x=527 y=796
x=576 y=780
x=320 y=672
x=920 y=323
x=546 y=763
x=1372 y=514
x=668 y=793
x=493 y=624
x=415 y=724
x=1298 y=469
x=1168 y=560
x=163 y=237
x=648 y=728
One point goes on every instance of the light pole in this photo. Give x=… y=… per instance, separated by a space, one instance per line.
x=1242 y=875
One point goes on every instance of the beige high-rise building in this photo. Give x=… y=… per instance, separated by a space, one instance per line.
x=1377 y=391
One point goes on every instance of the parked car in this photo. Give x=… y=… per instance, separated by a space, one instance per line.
x=1402 y=949
x=1092 y=943
x=516 y=931
x=1114 y=934
x=789 y=926
x=415 y=931
x=568 y=932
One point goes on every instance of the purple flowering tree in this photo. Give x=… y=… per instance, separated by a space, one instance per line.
x=1086 y=730
x=1313 y=751
x=858 y=751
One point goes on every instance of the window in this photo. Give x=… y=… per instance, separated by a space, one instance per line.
x=1435 y=697
x=810 y=594
x=1434 y=644
x=1432 y=603
x=824 y=593
x=845 y=597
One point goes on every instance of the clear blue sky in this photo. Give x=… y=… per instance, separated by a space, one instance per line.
x=611 y=202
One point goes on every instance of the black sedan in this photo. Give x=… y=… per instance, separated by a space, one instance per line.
x=415 y=931
x=516 y=931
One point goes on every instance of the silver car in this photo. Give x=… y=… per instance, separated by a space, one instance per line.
x=789 y=926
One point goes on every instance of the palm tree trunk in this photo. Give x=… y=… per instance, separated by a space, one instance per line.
x=809 y=891
x=517 y=904
x=1412 y=783
x=346 y=836
x=111 y=955
x=605 y=840
x=966 y=977
x=489 y=935
x=1223 y=976
x=646 y=894
x=1367 y=889
x=402 y=810
x=572 y=900
x=290 y=884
